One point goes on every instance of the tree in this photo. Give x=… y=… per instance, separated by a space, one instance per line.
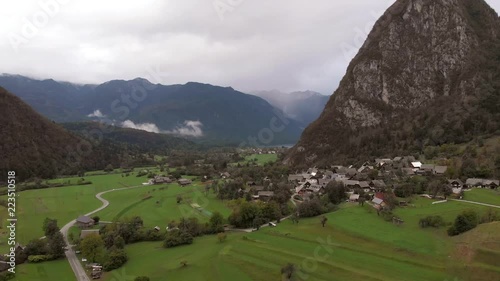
x=258 y=222
x=310 y=208
x=287 y=271
x=56 y=245
x=36 y=247
x=464 y=222
x=142 y=278
x=96 y=219
x=323 y=220
x=177 y=238
x=50 y=227
x=336 y=192
x=361 y=201
x=217 y=222
x=115 y=259
x=406 y=190
x=92 y=247
x=222 y=237
x=119 y=242
x=109 y=168
x=271 y=211
x=294 y=218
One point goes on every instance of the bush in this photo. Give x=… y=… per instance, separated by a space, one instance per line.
x=7 y=276
x=310 y=208
x=39 y=258
x=222 y=237
x=464 y=222
x=141 y=278
x=387 y=215
x=431 y=221
x=115 y=259
x=177 y=238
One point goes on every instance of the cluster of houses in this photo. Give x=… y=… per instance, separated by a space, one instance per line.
x=258 y=192
x=167 y=180
x=315 y=180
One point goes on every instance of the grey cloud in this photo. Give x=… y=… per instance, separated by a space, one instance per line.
x=96 y=114
x=281 y=44
x=148 y=127
x=188 y=129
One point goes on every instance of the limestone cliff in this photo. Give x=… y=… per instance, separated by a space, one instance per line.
x=427 y=74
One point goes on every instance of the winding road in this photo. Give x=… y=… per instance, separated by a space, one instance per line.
x=74 y=262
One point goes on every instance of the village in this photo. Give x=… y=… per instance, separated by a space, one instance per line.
x=372 y=179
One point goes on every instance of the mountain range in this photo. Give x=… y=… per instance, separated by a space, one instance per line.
x=304 y=107
x=428 y=74
x=34 y=146
x=195 y=111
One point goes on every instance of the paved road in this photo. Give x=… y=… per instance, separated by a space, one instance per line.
x=70 y=254
x=477 y=203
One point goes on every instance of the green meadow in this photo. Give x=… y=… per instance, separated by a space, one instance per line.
x=61 y=203
x=48 y=271
x=487 y=196
x=356 y=244
x=157 y=205
x=260 y=159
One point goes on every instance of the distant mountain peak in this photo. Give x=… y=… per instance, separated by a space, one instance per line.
x=427 y=75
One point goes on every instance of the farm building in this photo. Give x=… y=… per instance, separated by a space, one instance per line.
x=184 y=182
x=84 y=222
x=354 y=198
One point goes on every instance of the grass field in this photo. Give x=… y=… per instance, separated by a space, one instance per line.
x=161 y=206
x=361 y=247
x=49 y=271
x=478 y=253
x=487 y=196
x=63 y=203
x=261 y=159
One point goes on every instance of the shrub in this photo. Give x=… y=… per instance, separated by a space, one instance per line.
x=222 y=237
x=115 y=259
x=39 y=258
x=141 y=278
x=310 y=208
x=177 y=238
x=7 y=276
x=464 y=222
x=387 y=215
x=431 y=221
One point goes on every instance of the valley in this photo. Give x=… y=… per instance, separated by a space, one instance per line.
x=394 y=175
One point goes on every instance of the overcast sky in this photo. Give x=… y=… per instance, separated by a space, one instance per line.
x=247 y=44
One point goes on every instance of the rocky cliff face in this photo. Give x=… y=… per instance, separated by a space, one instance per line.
x=427 y=74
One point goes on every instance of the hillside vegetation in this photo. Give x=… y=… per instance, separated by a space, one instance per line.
x=428 y=75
